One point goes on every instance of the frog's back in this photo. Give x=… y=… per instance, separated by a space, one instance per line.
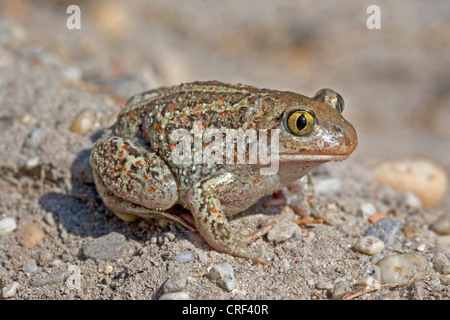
x=215 y=104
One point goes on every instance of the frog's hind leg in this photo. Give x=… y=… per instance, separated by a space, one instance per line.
x=132 y=180
x=212 y=223
x=129 y=212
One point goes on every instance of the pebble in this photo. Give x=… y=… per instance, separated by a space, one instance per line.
x=425 y=179
x=326 y=185
x=175 y=296
x=109 y=247
x=408 y=200
x=175 y=283
x=35 y=138
x=367 y=209
x=83 y=122
x=375 y=272
x=30 y=267
x=10 y=290
x=385 y=230
x=442 y=225
x=7 y=225
x=341 y=288
x=441 y=264
x=370 y=282
x=402 y=267
x=184 y=257
x=224 y=276
x=283 y=231
x=369 y=245
x=411 y=228
x=43 y=279
x=324 y=285
x=31 y=236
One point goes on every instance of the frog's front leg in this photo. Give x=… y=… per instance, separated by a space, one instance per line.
x=211 y=221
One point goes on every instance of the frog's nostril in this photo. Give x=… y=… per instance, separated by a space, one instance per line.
x=338 y=129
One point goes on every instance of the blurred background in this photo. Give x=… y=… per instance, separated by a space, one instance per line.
x=395 y=81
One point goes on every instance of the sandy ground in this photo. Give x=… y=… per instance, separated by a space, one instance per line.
x=395 y=82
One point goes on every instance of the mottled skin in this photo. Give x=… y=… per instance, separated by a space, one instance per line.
x=136 y=175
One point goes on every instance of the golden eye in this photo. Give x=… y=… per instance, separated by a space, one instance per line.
x=300 y=122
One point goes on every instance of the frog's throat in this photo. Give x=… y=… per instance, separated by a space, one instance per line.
x=313 y=157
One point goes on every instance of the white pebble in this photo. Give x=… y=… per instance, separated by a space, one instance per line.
x=369 y=245
x=224 y=276
x=402 y=267
x=10 y=290
x=367 y=209
x=370 y=282
x=175 y=283
x=7 y=225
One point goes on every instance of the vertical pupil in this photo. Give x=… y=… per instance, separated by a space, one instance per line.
x=301 y=122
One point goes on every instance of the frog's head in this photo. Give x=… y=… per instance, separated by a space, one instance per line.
x=313 y=129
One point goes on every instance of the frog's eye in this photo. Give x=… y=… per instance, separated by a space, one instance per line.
x=331 y=98
x=300 y=122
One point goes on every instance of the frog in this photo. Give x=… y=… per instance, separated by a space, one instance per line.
x=136 y=174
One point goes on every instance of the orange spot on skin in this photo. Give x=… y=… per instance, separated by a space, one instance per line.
x=150 y=161
x=199 y=114
x=214 y=210
x=128 y=173
x=172 y=146
x=140 y=163
x=125 y=147
x=198 y=107
x=145 y=177
x=251 y=126
x=377 y=216
x=173 y=107
x=124 y=169
x=131 y=115
x=256 y=180
x=219 y=216
x=132 y=182
x=151 y=190
x=166 y=179
x=121 y=153
x=221 y=100
x=203 y=221
x=158 y=127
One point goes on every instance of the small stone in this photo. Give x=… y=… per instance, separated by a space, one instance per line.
x=109 y=247
x=408 y=200
x=377 y=216
x=30 y=267
x=83 y=122
x=175 y=296
x=375 y=272
x=442 y=225
x=282 y=231
x=441 y=264
x=402 y=267
x=425 y=179
x=385 y=230
x=341 y=288
x=35 y=138
x=367 y=209
x=7 y=225
x=411 y=228
x=184 y=257
x=326 y=185
x=31 y=236
x=108 y=269
x=10 y=290
x=43 y=279
x=224 y=276
x=324 y=285
x=73 y=281
x=368 y=281
x=175 y=283
x=369 y=245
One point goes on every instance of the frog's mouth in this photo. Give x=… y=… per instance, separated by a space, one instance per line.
x=312 y=157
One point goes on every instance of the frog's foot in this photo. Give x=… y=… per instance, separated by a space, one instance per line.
x=212 y=223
